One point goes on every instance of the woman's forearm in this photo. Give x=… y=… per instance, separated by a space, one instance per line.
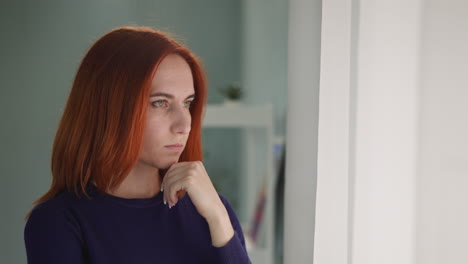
x=220 y=228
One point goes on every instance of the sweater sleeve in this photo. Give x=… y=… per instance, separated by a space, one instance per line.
x=234 y=252
x=51 y=235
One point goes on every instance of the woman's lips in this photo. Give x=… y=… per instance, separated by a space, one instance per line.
x=175 y=147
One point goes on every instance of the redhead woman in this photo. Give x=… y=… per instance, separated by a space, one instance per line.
x=128 y=182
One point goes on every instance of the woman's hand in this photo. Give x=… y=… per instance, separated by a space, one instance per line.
x=192 y=178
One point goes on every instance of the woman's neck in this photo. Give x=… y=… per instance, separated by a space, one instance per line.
x=143 y=181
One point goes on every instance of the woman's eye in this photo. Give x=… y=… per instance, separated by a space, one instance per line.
x=188 y=103
x=160 y=103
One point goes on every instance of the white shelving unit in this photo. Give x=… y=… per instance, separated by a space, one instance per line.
x=257 y=122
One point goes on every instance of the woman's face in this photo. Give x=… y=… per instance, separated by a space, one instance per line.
x=168 y=120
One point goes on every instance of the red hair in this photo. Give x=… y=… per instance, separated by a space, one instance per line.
x=100 y=134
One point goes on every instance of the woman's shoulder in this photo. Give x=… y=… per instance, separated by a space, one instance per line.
x=53 y=224
x=61 y=201
x=62 y=207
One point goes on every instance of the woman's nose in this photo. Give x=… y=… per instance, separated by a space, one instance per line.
x=182 y=121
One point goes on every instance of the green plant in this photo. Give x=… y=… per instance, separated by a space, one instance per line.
x=232 y=91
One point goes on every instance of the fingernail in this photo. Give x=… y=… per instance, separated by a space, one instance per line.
x=161 y=189
x=169 y=207
x=164 y=201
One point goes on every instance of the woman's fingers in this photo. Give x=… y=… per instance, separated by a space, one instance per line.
x=192 y=178
x=176 y=187
x=175 y=182
x=174 y=169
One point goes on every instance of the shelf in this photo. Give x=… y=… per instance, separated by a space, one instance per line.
x=258 y=143
x=238 y=116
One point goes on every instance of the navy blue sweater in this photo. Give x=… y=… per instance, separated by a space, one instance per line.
x=112 y=230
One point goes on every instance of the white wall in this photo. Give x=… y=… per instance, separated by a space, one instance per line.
x=331 y=234
x=367 y=158
x=442 y=183
x=302 y=123
x=385 y=140
x=408 y=121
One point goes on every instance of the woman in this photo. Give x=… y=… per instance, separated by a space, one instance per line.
x=128 y=184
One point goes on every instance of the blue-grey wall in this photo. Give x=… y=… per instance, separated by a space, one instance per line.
x=264 y=35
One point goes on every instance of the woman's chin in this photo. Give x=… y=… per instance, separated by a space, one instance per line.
x=167 y=164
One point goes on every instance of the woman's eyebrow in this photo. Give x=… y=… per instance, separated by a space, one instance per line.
x=170 y=96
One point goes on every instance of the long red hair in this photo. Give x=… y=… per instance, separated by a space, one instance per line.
x=100 y=134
